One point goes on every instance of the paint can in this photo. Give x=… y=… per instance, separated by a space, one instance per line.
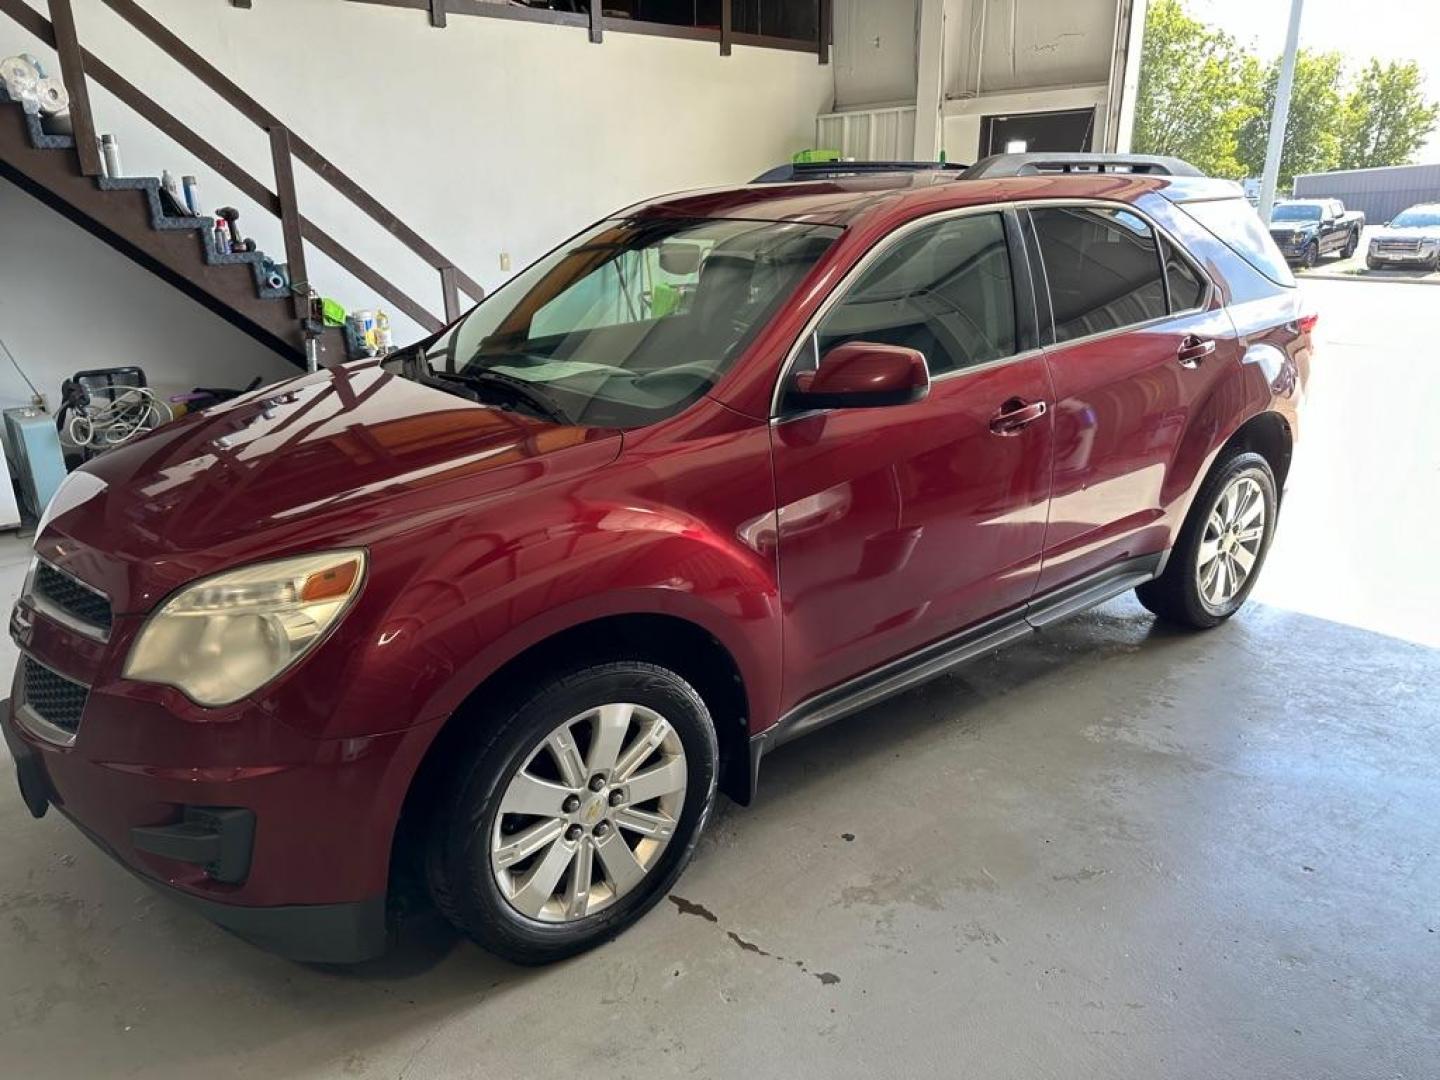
x=364 y=324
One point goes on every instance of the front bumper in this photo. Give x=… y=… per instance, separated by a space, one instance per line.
x=1425 y=255
x=334 y=933
x=292 y=854
x=1293 y=248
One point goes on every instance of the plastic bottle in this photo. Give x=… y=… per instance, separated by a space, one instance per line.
x=192 y=194
x=110 y=148
x=222 y=236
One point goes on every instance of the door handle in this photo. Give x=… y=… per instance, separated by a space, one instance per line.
x=1015 y=414
x=1194 y=350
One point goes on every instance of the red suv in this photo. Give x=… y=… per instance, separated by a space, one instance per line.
x=500 y=613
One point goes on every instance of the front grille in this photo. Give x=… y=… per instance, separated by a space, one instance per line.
x=73 y=597
x=52 y=697
x=1397 y=247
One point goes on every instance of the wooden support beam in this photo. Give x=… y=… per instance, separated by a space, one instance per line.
x=72 y=70
x=240 y=3
x=290 y=226
x=437 y=12
x=450 y=287
x=597 y=21
x=727 y=27
x=827 y=29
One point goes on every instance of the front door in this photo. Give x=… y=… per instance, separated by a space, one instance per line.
x=1138 y=344
x=901 y=525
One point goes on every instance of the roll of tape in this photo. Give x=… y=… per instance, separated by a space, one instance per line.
x=54 y=99
x=20 y=76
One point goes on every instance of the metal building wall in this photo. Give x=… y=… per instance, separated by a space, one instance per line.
x=1381 y=193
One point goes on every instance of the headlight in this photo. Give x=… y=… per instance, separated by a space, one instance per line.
x=228 y=635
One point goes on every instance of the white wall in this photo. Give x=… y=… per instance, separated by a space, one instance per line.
x=997 y=57
x=70 y=302
x=489 y=136
x=874 y=54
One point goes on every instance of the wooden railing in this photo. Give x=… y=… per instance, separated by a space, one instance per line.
x=591 y=17
x=78 y=65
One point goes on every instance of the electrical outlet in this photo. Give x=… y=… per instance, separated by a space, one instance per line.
x=504 y=260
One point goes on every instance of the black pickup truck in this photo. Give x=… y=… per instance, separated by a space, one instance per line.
x=1305 y=229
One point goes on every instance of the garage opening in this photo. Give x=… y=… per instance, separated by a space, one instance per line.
x=1028 y=133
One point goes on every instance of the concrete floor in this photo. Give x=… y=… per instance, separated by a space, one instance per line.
x=1114 y=851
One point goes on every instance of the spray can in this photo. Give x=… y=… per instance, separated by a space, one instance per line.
x=192 y=195
x=110 y=150
x=222 y=236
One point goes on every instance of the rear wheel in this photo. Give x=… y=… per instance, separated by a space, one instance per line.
x=573 y=815
x=1351 y=243
x=1221 y=546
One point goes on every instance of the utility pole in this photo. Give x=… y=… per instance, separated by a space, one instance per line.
x=1280 y=116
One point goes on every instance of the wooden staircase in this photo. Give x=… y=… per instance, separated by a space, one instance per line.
x=127 y=213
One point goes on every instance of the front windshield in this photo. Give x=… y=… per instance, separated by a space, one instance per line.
x=1417 y=219
x=629 y=322
x=1296 y=212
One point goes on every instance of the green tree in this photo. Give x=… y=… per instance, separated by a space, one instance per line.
x=1197 y=88
x=1386 y=118
x=1317 y=117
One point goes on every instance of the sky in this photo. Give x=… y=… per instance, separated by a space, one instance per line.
x=1389 y=29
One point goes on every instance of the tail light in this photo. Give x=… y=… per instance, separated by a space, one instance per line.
x=1307 y=322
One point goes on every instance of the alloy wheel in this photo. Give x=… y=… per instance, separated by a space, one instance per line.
x=1230 y=546
x=589 y=812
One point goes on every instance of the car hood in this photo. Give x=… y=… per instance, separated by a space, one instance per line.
x=345 y=456
x=1412 y=232
x=1293 y=226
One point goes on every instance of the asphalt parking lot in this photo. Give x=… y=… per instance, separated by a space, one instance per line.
x=1115 y=850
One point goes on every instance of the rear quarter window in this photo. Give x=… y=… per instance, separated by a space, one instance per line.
x=1236 y=225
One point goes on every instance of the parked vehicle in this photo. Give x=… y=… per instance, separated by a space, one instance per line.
x=504 y=610
x=1411 y=238
x=1305 y=229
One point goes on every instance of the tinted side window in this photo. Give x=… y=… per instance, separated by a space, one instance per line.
x=945 y=289
x=1238 y=227
x=1103 y=268
x=1187 y=287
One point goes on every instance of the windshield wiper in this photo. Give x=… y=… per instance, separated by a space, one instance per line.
x=518 y=390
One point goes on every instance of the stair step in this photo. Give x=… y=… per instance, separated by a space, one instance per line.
x=159 y=219
x=39 y=137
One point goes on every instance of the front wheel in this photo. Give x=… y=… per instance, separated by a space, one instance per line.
x=1221 y=546
x=1311 y=256
x=574 y=813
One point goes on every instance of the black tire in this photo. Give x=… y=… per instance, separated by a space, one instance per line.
x=1352 y=242
x=1374 y=264
x=457 y=844
x=1311 y=256
x=1175 y=595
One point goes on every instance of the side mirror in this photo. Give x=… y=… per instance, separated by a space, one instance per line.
x=862 y=375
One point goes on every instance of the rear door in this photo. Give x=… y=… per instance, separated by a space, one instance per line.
x=1139 y=339
x=901 y=525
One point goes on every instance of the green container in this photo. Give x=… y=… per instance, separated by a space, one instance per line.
x=812 y=157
